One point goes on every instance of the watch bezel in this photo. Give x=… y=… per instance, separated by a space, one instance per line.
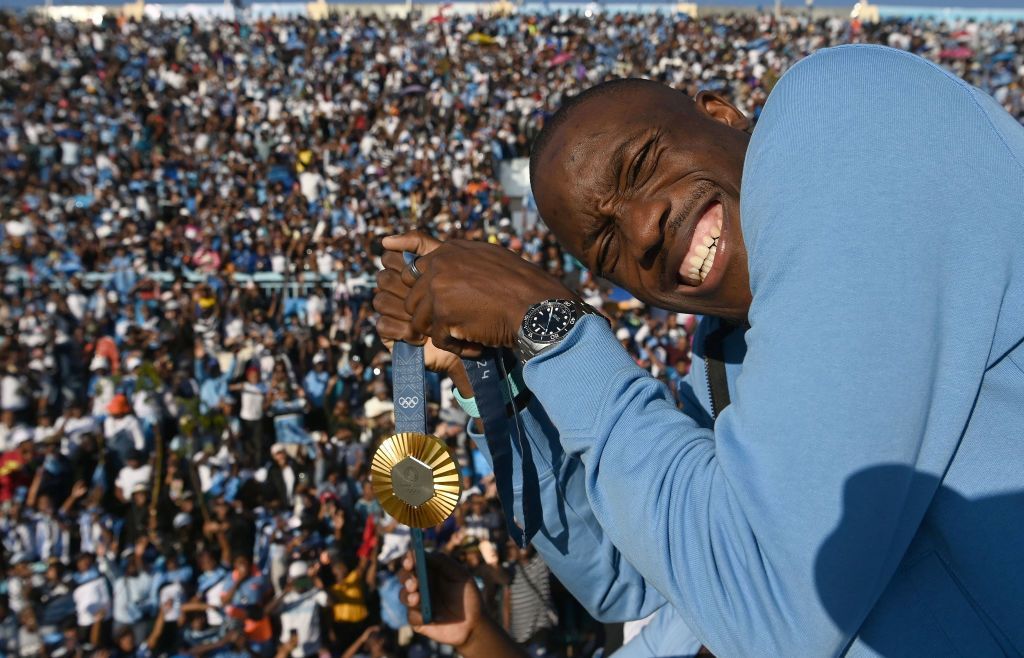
x=565 y=306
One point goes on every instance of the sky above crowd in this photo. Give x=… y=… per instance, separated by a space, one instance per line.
x=935 y=4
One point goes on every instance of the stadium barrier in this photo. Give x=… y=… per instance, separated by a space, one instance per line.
x=267 y=281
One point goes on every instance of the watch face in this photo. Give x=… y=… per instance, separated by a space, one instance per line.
x=548 y=322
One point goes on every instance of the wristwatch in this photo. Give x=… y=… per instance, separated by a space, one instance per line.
x=546 y=324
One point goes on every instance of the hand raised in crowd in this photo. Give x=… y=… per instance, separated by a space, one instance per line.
x=455 y=600
x=459 y=618
x=79 y=490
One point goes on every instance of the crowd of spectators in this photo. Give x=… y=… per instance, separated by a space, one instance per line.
x=191 y=383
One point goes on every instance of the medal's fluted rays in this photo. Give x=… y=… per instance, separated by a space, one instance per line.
x=446 y=482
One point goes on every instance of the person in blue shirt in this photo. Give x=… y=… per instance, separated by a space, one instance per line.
x=857 y=491
x=213 y=384
x=315 y=386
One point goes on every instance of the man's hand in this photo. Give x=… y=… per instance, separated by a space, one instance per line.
x=394 y=323
x=469 y=294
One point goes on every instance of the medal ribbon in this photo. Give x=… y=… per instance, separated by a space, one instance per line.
x=501 y=426
x=411 y=416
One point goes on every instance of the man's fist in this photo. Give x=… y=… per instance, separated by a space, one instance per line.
x=468 y=294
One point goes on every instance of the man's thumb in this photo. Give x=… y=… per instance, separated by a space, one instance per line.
x=413 y=241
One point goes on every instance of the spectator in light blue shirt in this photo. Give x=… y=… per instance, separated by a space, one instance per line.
x=132 y=590
x=213 y=384
x=315 y=382
x=315 y=386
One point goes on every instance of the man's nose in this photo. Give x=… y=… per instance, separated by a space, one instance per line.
x=643 y=224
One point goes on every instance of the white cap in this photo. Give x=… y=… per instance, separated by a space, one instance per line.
x=132 y=362
x=622 y=334
x=319 y=357
x=297 y=569
x=277 y=447
x=99 y=363
x=21 y=434
x=394 y=546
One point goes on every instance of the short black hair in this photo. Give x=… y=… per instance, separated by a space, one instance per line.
x=563 y=112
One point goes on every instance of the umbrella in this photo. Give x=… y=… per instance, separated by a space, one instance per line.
x=961 y=52
x=412 y=89
x=560 y=58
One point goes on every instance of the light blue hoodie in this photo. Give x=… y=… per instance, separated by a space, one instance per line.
x=864 y=493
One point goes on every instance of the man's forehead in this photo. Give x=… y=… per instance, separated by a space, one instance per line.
x=583 y=148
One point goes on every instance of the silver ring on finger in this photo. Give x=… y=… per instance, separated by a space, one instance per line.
x=410 y=264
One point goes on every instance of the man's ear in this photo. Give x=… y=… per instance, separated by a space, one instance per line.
x=721 y=110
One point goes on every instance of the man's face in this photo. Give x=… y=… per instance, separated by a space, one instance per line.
x=640 y=180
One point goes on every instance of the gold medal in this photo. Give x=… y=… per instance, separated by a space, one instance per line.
x=416 y=479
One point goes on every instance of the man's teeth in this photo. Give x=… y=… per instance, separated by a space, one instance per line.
x=703 y=255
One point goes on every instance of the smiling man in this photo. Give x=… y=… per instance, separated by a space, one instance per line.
x=859 y=263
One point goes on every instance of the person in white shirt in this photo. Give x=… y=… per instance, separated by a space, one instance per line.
x=134 y=475
x=122 y=429
x=91 y=596
x=299 y=606
x=102 y=387
x=253 y=401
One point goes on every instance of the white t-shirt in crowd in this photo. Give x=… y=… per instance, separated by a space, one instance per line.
x=104 y=393
x=309 y=182
x=128 y=425
x=252 y=401
x=300 y=612
x=315 y=307
x=128 y=477
x=214 y=617
x=92 y=601
x=13 y=394
x=174 y=593
x=288 y=475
